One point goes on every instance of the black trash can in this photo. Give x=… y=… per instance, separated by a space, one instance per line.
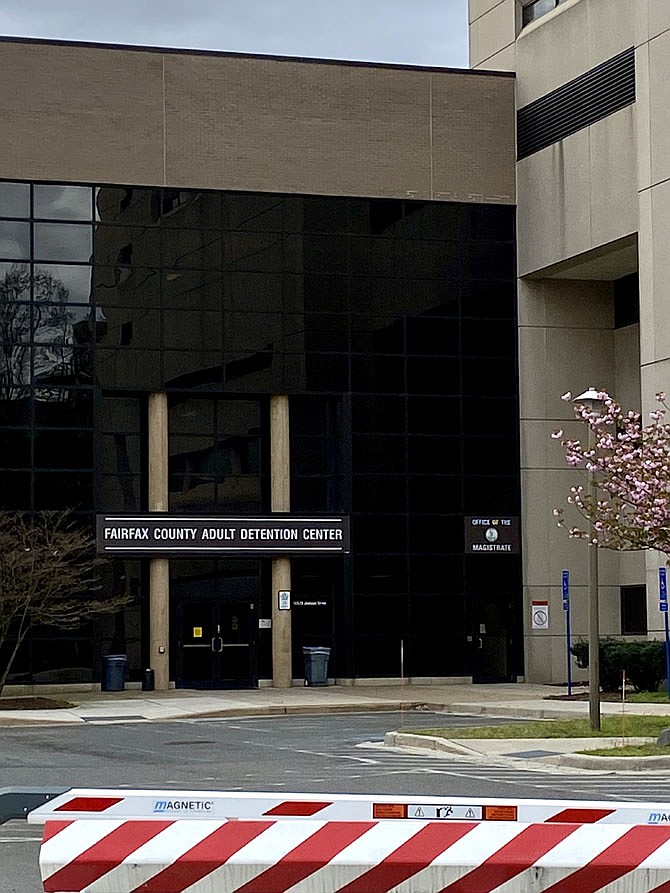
x=316 y=665
x=148 y=680
x=114 y=672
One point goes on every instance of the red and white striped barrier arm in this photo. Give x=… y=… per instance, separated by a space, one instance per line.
x=83 y=803
x=307 y=856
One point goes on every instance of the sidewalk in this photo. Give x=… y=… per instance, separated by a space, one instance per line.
x=507 y=700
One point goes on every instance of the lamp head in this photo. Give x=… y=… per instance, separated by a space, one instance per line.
x=592 y=399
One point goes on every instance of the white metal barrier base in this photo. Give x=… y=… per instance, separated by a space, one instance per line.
x=310 y=856
x=89 y=803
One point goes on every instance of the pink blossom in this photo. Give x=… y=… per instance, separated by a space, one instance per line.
x=629 y=465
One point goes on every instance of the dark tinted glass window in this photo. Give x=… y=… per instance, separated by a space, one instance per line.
x=633 y=610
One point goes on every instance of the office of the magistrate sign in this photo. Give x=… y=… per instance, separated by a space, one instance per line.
x=186 y=535
x=492 y=536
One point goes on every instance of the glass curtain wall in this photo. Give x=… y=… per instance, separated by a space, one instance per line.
x=391 y=325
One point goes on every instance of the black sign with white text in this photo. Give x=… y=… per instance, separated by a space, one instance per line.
x=185 y=535
x=492 y=535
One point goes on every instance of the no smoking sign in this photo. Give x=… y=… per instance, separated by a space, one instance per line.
x=539 y=614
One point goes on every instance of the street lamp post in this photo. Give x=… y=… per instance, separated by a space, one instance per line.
x=592 y=399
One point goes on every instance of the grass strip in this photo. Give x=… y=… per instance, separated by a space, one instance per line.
x=612 y=727
x=629 y=750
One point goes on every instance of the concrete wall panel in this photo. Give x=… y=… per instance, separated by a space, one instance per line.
x=503 y=60
x=612 y=26
x=657 y=16
x=613 y=160
x=543 y=69
x=654 y=316
x=642 y=116
x=659 y=107
x=553 y=189
x=478 y=8
x=555 y=303
x=492 y=32
x=565 y=195
x=588 y=32
x=547 y=654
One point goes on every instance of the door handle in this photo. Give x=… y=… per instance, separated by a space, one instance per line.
x=217 y=644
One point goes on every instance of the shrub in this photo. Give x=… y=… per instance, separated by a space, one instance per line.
x=642 y=660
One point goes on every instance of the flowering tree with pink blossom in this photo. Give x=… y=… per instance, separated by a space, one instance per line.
x=628 y=505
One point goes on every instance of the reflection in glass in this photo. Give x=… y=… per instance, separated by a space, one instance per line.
x=14 y=282
x=14 y=240
x=120 y=414
x=134 y=287
x=75 y=281
x=62 y=202
x=46 y=322
x=71 y=407
x=14 y=200
x=192 y=369
x=135 y=369
x=215 y=457
x=199 y=290
x=63 y=241
x=185 y=330
x=191 y=249
x=127 y=246
x=120 y=492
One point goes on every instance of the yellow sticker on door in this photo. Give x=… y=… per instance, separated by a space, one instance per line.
x=197 y=632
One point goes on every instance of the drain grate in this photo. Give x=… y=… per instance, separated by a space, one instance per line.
x=531 y=754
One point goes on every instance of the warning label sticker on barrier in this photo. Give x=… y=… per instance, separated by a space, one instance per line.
x=430 y=811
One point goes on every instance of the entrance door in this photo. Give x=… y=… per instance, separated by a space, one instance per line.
x=491 y=640
x=215 y=647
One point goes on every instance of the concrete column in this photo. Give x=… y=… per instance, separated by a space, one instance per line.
x=159 y=572
x=280 y=495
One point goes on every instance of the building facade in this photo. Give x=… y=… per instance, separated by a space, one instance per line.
x=592 y=192
x=234 y=286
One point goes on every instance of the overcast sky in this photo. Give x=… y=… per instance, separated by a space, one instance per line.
x=416 y=32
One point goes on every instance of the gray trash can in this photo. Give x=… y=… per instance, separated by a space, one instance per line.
x=114 y=672
x=316 y=665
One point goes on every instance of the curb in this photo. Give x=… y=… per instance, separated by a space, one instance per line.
x=428 y=742
x=615 y=764
x=568 y=760
x=519 y=712
x=268 y=710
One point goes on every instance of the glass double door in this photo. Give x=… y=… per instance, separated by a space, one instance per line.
x=216 y=647
x=215 y=625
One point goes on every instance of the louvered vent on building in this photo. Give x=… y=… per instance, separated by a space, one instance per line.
x=592 y=96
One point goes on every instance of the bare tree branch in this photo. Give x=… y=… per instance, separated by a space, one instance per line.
x=48 y=576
